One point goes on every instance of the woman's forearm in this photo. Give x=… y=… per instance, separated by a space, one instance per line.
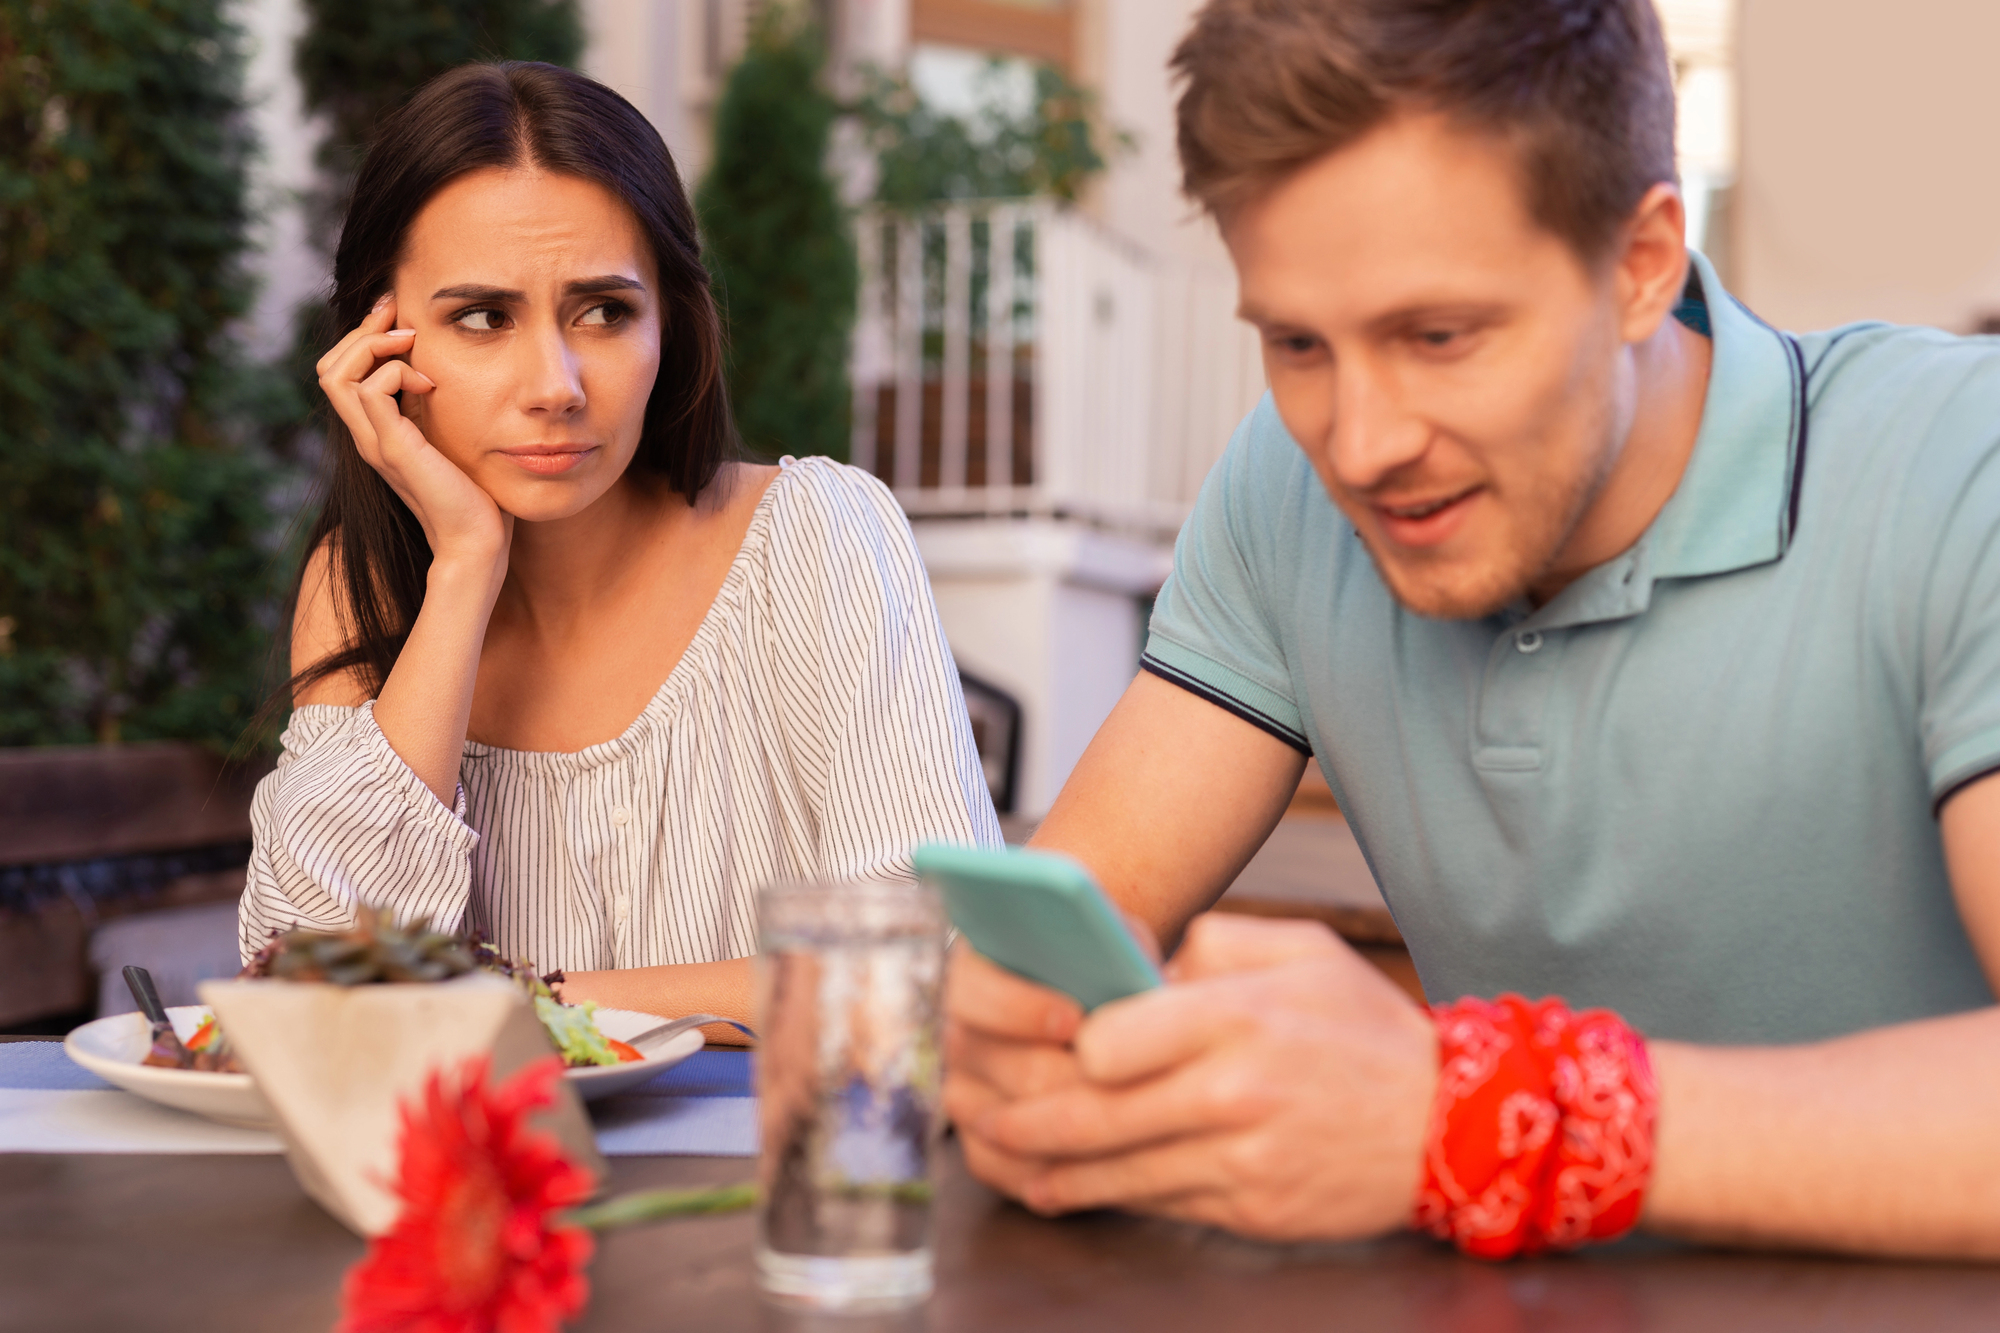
x=426 y=703
x=727 y=989
x=1879 y=1143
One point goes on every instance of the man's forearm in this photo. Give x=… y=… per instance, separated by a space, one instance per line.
x=1169 y=802
x=1885 y=1142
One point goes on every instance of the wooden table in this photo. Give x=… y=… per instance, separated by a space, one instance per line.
x=226 y=1243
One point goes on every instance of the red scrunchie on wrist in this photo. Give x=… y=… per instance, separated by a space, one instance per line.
x=1541 y=1136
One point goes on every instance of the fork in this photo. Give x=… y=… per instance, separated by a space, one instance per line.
x=669 y=1030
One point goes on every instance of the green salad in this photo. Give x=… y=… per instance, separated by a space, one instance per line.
x=573 y=1028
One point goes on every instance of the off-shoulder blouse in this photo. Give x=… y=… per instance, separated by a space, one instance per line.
x=813 y=728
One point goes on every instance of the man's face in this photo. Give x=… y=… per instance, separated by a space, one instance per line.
x=1453 y=370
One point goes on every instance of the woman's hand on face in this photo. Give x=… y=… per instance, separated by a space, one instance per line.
x=361 y=378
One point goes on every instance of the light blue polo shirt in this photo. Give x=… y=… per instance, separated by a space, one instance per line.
x=1698 y=786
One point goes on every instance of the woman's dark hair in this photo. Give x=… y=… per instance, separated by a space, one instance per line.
x=514 y=114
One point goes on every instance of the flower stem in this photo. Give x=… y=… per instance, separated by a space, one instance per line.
x=652 y=1205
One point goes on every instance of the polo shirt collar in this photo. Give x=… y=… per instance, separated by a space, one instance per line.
x=1737 y=501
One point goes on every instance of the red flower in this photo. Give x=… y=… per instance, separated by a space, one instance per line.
x=476 y=1249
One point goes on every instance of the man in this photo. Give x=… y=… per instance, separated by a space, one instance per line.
x=1653 y=655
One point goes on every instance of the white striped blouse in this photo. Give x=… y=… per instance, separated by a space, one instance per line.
x=813 y=728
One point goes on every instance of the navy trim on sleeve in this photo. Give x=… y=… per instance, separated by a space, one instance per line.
x=1937 y=806
x=1202 y=689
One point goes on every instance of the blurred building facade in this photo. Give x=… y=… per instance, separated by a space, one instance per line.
x=1866 y=192
x=1048 y=459
x=1701 y=41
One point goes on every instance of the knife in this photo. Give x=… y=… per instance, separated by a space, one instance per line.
x=167 y=1048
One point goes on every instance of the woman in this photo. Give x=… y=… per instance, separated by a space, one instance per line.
x=565 y=670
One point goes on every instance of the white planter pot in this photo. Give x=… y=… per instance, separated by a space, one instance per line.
x=336 y=1063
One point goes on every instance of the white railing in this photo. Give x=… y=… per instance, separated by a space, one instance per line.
x=1015 y=358
x=1209 y=373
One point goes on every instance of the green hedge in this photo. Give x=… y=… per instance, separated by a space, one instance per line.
x=359 y=58
x=924 y=155
x=136 y=568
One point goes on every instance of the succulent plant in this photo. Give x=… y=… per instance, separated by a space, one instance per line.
x=374 y=950
x=377 y=950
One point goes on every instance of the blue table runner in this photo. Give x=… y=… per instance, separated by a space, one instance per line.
x=702 y=1107
x=44 y=1066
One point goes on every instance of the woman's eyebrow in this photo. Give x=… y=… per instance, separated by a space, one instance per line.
x=472 y=291
x=609 y=282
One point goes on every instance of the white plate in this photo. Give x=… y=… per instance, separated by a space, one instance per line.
x=625 y=1024
x=112 y=1048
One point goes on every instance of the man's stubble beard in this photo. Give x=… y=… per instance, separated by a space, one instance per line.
x=1528 y=556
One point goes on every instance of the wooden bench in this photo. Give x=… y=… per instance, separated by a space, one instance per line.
x=90 y=833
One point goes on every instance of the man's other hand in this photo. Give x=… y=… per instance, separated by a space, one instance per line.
x=1005 y=1038
x=1279 y=1087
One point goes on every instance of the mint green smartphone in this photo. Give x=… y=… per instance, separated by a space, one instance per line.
x=1041 y=915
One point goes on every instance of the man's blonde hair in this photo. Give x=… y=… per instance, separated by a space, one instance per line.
x=1580 y=89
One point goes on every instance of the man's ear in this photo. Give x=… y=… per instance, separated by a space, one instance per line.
x=1652 y=263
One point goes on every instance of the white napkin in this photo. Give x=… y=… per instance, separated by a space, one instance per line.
x=37 y=1120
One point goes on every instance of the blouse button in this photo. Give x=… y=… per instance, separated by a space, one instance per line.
x=621 y=816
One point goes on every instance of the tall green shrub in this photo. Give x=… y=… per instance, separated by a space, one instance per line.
x=777 y=242
x=358 y=58
x=134 y=565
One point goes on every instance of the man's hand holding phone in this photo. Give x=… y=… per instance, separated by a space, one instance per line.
x=1278 y=1086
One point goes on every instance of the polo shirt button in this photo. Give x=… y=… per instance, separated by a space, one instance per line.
x=1528 y=640
x=620 y=816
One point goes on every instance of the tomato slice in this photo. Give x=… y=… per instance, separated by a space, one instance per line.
x=203 y=1035
x=626 y=1054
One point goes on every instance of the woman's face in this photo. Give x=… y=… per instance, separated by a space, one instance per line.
x=536 y=306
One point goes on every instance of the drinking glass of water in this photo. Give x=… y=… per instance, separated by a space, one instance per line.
x=848 y=1073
